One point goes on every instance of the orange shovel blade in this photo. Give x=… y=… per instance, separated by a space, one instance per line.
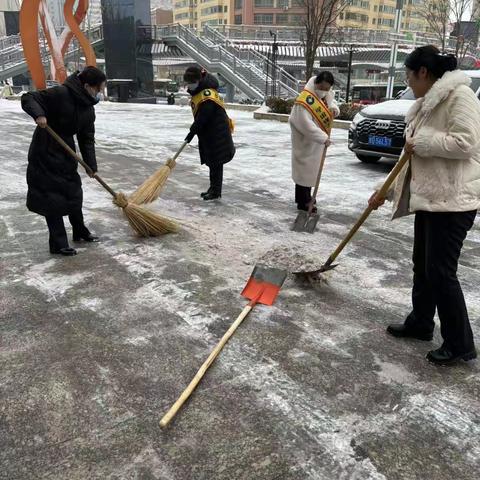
x=264 y=284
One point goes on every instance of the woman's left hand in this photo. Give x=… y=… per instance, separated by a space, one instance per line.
x=409 y=147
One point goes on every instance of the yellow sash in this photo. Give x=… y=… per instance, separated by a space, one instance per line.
x=319 y=110
x=212 y=95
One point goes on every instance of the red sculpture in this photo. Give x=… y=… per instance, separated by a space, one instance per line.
x=30 y=12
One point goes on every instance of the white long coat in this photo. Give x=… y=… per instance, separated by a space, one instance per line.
x=308 y=140
x=444 y=172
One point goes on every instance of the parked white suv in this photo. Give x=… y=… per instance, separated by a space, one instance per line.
x=378 y=130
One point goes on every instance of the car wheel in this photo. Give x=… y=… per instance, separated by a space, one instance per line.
x=368 y=158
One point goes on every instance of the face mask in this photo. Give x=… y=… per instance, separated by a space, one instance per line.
x=93 y=94
x=193 y=86
x=321 y=93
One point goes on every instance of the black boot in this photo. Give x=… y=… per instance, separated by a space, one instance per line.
x=206 y=193
x=399 y=330
x=212 y=196
x=443 y=356
x=67 y=252
x=87 y=238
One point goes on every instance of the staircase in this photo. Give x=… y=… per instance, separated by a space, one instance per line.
x=245 y=69
x=12 y=61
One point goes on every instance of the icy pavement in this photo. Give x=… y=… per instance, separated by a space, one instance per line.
x=94 y=349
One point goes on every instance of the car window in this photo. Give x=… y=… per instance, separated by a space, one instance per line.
x=407 y=95
x=475 y=84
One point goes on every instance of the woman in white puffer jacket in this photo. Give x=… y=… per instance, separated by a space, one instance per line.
x=309 y=140
x=441 y=185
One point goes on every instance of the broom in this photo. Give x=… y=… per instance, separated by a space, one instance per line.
x=149 y=190
x=145 y=222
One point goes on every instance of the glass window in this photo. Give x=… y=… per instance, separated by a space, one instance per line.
x=264 y=4
x=263 y=19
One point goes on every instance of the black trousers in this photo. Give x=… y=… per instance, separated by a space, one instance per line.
x=438 y=242
x=58 y=235
x=216 y=178
x=303 y=196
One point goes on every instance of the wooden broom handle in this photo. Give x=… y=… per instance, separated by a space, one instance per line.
x=380 y=194
x=201 y=372
x=180 y=150
x=60 y=140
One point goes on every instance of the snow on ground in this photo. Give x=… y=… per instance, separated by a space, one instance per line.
x=94 y=348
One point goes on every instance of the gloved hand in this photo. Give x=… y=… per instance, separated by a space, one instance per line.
x=189 y=137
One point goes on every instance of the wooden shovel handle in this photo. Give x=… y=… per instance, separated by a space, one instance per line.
x=80 y=160
x=317 y=183
x=381 y=194
x=201 y=372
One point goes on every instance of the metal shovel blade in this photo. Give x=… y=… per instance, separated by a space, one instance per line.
x=315 y=276
x=305 y=222
x=264 y=284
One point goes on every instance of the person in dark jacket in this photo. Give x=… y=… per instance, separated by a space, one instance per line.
x=211 y=125
x=54 y=185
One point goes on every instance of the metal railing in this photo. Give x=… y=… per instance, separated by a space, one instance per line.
x=285 y=80
x=333 y=35
x=12 y=52
x=247 y=77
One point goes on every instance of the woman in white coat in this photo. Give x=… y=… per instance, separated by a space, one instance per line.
x=441 y=186
x=309 y=138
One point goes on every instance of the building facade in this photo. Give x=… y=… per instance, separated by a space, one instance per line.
x=268 y=12
x=9 y=17
x=198 y=13
x=161 y=16
x=380 y=15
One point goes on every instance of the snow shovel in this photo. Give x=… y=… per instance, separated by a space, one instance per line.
x=315 y=275
x=307 y=221
x=262 y=287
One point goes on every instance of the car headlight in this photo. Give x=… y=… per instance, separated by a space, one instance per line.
x=356 y=120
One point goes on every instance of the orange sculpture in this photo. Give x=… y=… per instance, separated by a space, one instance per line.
x=30 y=12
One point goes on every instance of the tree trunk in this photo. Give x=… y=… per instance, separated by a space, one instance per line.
x=309 y=59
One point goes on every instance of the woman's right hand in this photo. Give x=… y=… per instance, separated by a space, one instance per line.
x=375 y=202
x=41 y=122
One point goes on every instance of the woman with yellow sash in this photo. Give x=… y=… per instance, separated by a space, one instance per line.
x=211 y=125
x=310 y=123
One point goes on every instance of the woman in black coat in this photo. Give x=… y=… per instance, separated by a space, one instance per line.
x=212 y=126
x=54 y=185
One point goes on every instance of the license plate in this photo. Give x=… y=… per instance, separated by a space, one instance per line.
x=379 y=141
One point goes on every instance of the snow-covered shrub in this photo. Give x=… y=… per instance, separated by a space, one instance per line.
x=280 y=105
x=348 y=111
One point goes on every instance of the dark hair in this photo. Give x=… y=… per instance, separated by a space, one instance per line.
x=92 y=76
x=193 y=74
x=430 y=57
x=325 y=77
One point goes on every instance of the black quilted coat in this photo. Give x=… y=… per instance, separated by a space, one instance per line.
x=54 y=185
x=211 y=125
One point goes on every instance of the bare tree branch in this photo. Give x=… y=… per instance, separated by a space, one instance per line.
x=319 y=16
x=440 y=13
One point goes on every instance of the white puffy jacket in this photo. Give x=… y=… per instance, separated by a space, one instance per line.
x=308 y=140
x=444 y=173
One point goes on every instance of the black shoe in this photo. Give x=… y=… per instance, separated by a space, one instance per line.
x=206 y=193
x=400 y=330
x=86 y=238
x=67 y=252
x=211 y=196
x=443 y=356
